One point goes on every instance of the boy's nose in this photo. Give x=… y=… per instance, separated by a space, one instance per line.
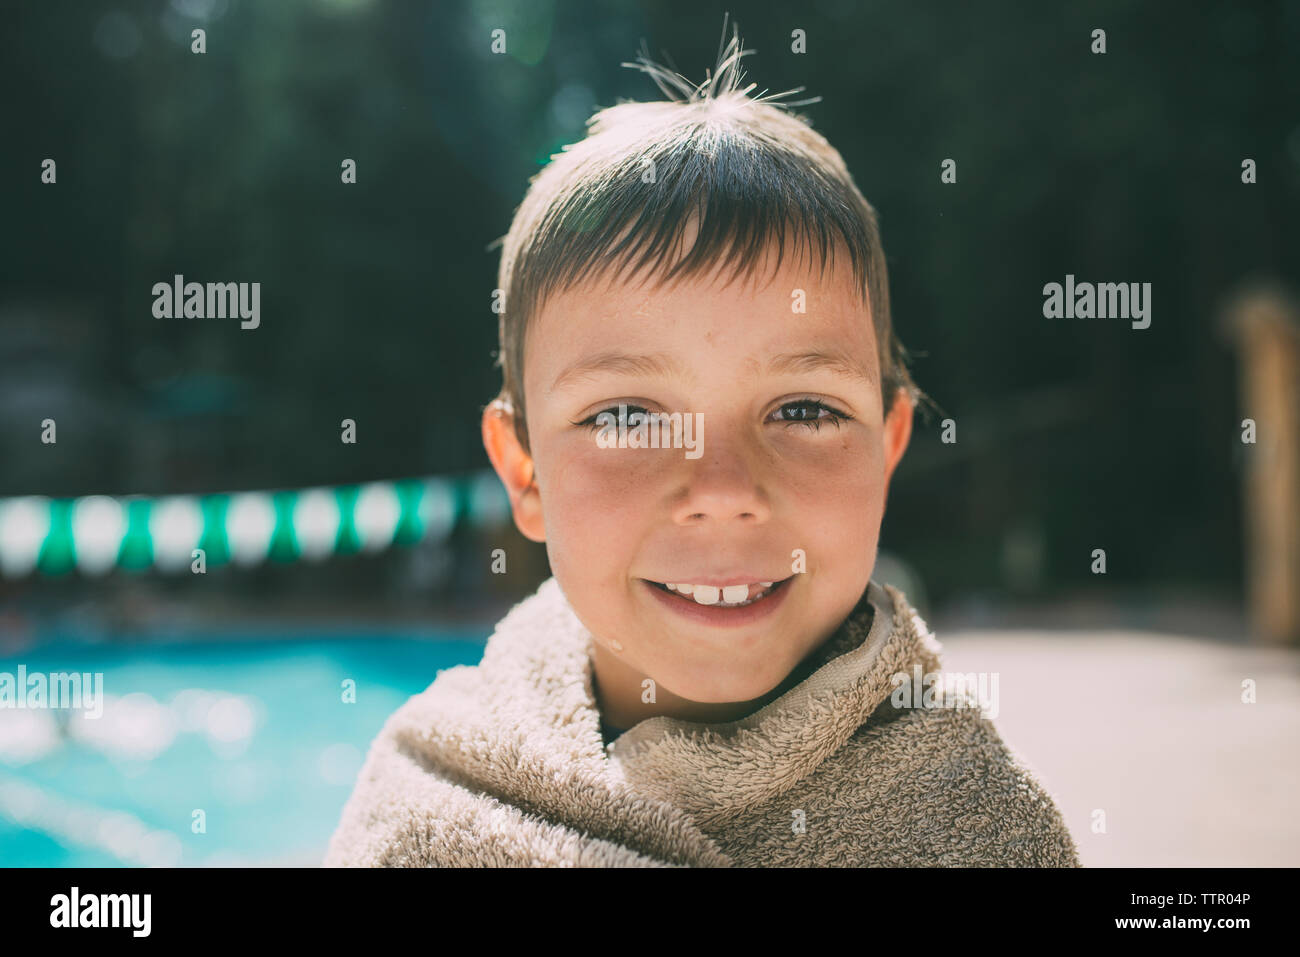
x=722 y=485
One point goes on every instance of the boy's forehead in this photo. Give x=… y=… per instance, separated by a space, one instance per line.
x=792 y=288
x=792 y=319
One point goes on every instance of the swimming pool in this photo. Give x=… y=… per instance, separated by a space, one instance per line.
x=208 y=752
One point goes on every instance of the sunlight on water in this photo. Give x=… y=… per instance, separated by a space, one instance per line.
x=205 y=754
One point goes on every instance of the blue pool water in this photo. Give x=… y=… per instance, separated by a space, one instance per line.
x=249 y=738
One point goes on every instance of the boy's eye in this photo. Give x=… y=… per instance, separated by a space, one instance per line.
x=808 y=412
x=613 y=410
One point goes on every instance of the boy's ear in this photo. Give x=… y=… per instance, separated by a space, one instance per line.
x=515 y=467
x=898 y=431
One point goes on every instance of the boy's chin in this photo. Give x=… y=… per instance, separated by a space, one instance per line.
x=740 y=690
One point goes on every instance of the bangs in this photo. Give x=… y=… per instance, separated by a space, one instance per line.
x=743 y=195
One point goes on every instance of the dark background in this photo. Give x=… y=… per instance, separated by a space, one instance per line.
x=1072 y=434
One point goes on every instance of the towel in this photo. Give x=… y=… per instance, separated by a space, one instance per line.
x=504 y=764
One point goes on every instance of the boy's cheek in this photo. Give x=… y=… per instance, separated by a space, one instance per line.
x=850 y=488
x=585 y=470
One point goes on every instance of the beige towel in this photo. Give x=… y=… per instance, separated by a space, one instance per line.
x=503 y=764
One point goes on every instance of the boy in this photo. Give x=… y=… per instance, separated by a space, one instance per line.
x=710 y=677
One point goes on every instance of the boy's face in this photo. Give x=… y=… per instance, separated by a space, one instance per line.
x=770 y=485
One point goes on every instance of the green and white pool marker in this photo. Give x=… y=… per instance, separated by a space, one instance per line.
x=96 y=533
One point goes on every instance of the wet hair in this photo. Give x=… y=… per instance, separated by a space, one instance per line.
x=745 y=170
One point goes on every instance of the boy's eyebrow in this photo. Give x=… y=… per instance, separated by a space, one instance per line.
x=666 y=367
x=840 y=363
x=654 y=364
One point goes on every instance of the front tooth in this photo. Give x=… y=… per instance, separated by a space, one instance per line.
x=685 y=589
x=735 y=593
x=706 y=594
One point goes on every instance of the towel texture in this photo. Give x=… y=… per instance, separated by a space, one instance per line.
x=503 y=764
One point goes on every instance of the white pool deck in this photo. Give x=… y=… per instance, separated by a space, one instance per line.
x=1151 y=729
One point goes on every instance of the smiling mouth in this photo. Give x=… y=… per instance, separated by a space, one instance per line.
x=732 y=596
